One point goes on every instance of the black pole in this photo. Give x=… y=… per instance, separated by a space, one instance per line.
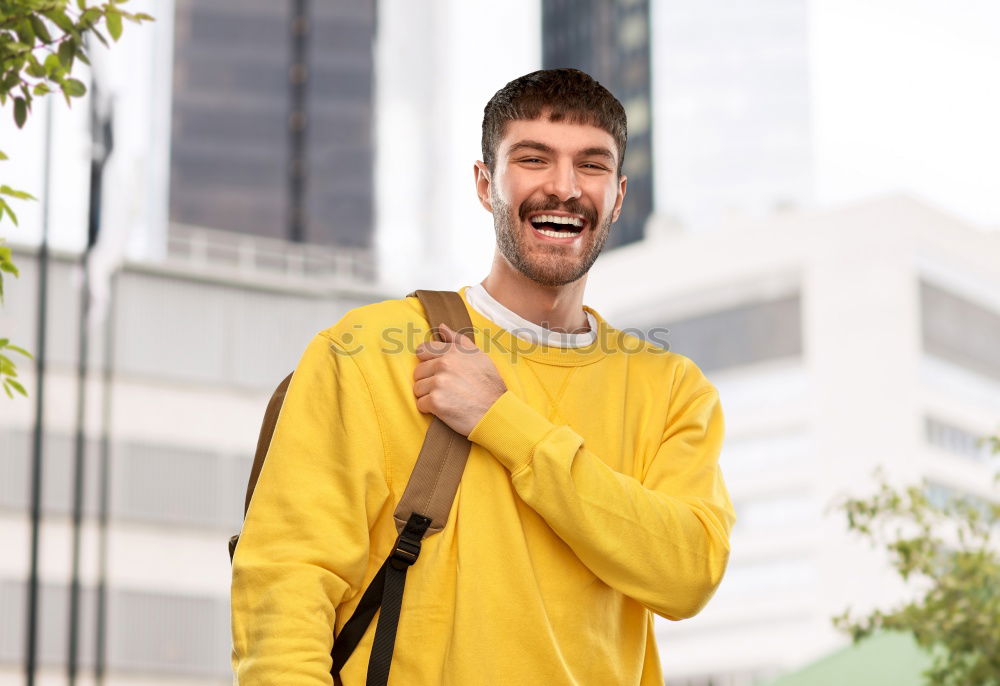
x=79 y=447
x=298 y=76
x=103 y=484
x=31 y=650
x=102 y=142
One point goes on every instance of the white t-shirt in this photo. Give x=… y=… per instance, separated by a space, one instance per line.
x=486 y=305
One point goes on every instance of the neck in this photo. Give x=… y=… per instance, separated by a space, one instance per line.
x=557 y=308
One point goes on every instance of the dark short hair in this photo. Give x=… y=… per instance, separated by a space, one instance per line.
x=567 y=94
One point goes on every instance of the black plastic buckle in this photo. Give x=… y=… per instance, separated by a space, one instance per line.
x=406 y=551
x=407 y=548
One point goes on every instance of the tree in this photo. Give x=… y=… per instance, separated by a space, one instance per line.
x=40 y=42
x=945 y=549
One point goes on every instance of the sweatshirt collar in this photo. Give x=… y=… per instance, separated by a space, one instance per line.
x=492 y=336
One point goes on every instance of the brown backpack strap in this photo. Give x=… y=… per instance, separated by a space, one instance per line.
x=263 y=442
x=264 y=439
x=434 y=480
x=422 y=512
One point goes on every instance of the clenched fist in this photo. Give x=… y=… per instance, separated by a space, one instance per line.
x=456 y=381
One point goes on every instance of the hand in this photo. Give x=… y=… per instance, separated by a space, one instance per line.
x=456 y=381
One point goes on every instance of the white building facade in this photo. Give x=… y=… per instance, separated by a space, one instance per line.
x=840 y=342
x=197 y=345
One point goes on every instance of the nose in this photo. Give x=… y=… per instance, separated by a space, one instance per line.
x=562 y=181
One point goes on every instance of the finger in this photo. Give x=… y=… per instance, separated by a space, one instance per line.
x=460 y=339
x=425 y=369
x=423 y=386
x=446 y=333
x=431 y=349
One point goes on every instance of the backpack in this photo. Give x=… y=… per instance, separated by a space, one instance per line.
x=422 y=511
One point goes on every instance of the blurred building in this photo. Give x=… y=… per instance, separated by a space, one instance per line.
x=610 y=41
x=199 y=341
x=272 y=119
x=839 y=341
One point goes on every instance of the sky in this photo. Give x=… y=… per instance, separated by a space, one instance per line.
x=907 y=97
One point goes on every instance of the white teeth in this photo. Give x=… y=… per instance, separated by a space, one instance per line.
x=555 y=234
x=553 y=219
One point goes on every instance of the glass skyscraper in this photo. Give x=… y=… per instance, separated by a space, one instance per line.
x=272 y=119
x=610 y=41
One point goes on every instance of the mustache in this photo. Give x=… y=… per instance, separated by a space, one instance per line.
x=572 y=206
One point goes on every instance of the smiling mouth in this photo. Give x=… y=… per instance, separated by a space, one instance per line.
x=555 y=226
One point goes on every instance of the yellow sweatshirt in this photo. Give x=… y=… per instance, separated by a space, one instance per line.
x=592 y=498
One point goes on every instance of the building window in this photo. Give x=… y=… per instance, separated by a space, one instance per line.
x=953 y=439
x=742 y=335
x=960 y=331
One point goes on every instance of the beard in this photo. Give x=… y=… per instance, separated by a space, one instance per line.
x=548 y=265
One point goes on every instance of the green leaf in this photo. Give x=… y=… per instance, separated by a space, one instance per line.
x=34 y=68
x=26 y=33
x=41 y=89
x=90 y=17
x=53 y=65
x=3 y=155
x=66 y=53
x=9 y=267
x=73 y=88
x=41 y=30
x=20 y=114
x=59 y=18
x=4 y=207
x=20 y=195
x=9 y=394
x=100 y=36
x=114 y=22
x=10 y=81
x=20 y=351
x=17 y=386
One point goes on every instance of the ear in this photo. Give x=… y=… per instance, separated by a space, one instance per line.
x=620 y=198
x=483 y=182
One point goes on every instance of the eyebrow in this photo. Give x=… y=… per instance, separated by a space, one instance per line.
x=542 y=147
x=530 y=145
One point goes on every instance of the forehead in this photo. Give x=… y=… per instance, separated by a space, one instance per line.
x=562 y=136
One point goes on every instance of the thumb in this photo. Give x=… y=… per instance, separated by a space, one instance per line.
x=448 y=334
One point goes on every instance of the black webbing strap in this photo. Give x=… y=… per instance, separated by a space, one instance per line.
x=385 y=591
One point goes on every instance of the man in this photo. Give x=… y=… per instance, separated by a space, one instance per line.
x=591 y=498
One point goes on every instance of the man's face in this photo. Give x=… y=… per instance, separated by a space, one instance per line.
x=554 y=194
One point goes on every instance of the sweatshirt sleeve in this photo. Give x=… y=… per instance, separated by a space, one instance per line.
x=664 y=540
x=304 y=544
